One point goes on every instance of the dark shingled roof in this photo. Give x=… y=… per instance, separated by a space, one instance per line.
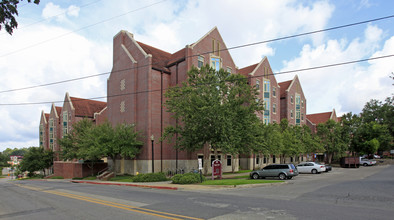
x=246 y=70
x=58 y=110
x=87 y=107
x=160 y=58
x=319 y=117
x=283 y=87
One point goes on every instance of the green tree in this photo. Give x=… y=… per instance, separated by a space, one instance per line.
x=8 y=12
x=71 y=143
x=36 y=159
x=125 y=142
x=350 y=123
x=369 y=136
x=331 y=136
x=270 y=141
x=380 y=112
x=215 y=109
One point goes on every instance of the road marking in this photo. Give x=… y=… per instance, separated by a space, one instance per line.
x=111 y=204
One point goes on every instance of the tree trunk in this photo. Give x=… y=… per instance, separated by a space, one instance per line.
x=261 y=160
x=233 y=163
x=206 y=159
x=114 y=165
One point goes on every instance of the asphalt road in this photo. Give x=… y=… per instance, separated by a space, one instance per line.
x=364 y=193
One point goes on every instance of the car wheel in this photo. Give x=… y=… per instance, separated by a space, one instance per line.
x=289 y=177
x=365 y=164
x=282 y=176
x=255 y=176
x=314 y=171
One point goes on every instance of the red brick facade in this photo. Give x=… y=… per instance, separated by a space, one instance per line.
x=292 y=102
x=314 y=119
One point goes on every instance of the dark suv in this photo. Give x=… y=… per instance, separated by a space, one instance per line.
x=283 y=171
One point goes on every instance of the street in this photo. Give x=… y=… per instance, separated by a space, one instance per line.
x=364 y=193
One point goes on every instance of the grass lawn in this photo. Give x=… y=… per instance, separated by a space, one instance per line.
x=241 y=171
x=122 y=179
x=241 y=177
x=2 y=177
x=238 y=182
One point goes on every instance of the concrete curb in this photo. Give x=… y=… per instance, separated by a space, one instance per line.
x=126 y=184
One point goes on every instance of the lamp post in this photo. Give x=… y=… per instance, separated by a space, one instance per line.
x=152 y=138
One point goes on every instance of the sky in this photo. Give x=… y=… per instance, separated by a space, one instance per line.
x=66 y=39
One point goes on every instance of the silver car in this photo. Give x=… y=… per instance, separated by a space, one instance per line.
x=283 y=171
x=311 y=167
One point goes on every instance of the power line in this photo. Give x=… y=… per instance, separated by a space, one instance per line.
x=249 y=77
x=82 y=28
x=230 y=48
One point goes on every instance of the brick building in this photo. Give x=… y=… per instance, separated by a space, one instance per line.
x=312 y=120
x=292 y=102
x=54 y=128
x=43 y=130
x=138 y=68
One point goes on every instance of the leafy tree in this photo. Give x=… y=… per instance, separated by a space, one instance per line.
x=330 y=134
x=271 y=140
x=122 y=141
x=350 y=123
x=215 y=109
x=8 y=11
x=369 y=136
x=379 y=112
x=90 y=143
x=36 y=159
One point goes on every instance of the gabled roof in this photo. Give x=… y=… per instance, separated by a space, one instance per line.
x=283 y=87
x=58 y=110
x=87 y=107
x=319 y=117
x=246 y=70
x=160 y=58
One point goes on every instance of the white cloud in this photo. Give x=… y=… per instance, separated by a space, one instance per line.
x=73 y=56
x=348 y=87
x=52 y=11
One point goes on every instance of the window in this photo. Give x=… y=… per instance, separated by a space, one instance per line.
x=273 y=159
x=291 y=159
x=41 y=135
x=266 y=72
x=51 y=136
x=291 y=113
x=202 y=159
x=274 y=91
x=122 y=106
x=298 y=109
x=122 y=84
x=65 y=123
x=215 y=63
x=257 y=159
x=274 y=108
x=258 y=84
x=213 y=158
x=291 y=99
x=265 y=159
x=302 y=103
x=229 y=70
x=228 y=160
x=215 y=47
x=200 y=61
x=302 y=116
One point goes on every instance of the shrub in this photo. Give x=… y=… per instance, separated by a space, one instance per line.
x=56 y=177
x=188 y=178
x=150 y=177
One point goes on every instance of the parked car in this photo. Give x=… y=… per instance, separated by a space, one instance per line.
x=328 y=167
x=376 y=156
x=283 y=171
x=311 y=167
x=365 y=162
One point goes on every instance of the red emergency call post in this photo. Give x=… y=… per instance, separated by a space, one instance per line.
x=216 y=169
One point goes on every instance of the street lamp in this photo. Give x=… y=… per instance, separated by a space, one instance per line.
x=152 y=138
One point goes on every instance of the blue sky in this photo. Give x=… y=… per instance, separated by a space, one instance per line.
x=59 y=40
